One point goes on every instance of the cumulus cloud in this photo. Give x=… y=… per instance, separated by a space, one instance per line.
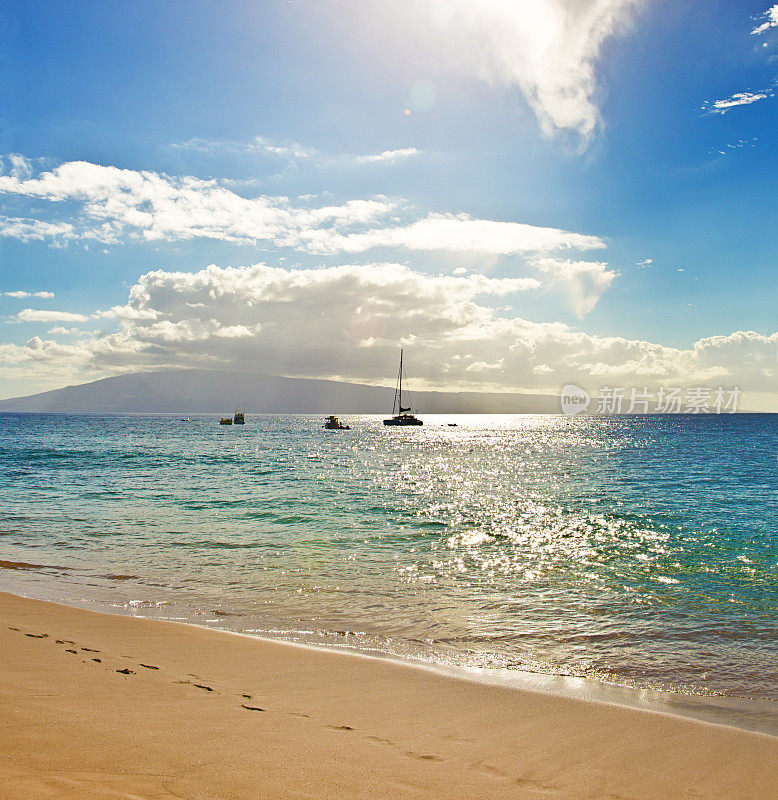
x=26 y=230
x=735 y=100
x=548 y=49
x=583 y=281
x=59 y=330
x=347 y=322
x=118 y=203
x=160 y=207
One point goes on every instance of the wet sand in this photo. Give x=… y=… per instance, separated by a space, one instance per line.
x=101 y=706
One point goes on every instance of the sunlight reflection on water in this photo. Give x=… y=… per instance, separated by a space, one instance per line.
x=639 y=550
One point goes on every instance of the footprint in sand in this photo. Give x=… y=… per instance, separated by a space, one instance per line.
x=89 y=650
x=380 y=740
x=125 y=671
x=251 y=708
x=488 y=769
x=68 y=650
x=37 y=635
x=14 y=629
x=63 y=641
x=98 y=660
x=149 y=666
x=196 y=685
x=423 y=756
x=340 y=727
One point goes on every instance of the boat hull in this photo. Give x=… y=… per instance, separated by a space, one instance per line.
x=402 y=422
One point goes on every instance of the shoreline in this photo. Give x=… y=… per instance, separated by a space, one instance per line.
x=758 y=715
x=752 y=715
x=158 y=709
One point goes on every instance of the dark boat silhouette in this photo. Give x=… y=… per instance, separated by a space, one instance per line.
x=403 y=415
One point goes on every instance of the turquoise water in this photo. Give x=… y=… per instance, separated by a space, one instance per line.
x=636 y=550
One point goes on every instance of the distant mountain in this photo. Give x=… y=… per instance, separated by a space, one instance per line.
x=195 y=391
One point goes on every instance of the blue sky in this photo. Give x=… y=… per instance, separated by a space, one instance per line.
x=525 y=194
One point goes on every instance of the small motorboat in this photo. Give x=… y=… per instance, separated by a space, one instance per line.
x=332 y=423
x=225 y=421
x=239 y=418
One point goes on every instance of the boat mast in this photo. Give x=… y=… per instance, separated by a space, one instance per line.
x=401 y=381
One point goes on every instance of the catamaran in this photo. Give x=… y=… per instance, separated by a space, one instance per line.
x=404 y=415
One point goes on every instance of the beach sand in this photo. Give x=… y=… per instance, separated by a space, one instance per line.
x=101 y=706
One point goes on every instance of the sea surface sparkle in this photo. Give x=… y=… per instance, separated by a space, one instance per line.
x=636 y=550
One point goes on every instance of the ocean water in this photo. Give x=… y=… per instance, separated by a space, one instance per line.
x=640 y=551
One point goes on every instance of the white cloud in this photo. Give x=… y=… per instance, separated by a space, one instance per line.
x=32 y=229
x=481 y=367
x=583 y=281
x=34 y=315
x=159 y=207
x=20 y=294
x=293 y=152
x=645 y=263
x=347 y=322
x=17 y=165
x=259 y=145
x=129 y=312
x=116 y=203
x=770 y=18
x=740 y=144
x=388 y=156
x=453 y=233
x=735 y=100
x=58 y=330
x=548 y=49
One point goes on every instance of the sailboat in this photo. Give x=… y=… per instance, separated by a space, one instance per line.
x=403 y=416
